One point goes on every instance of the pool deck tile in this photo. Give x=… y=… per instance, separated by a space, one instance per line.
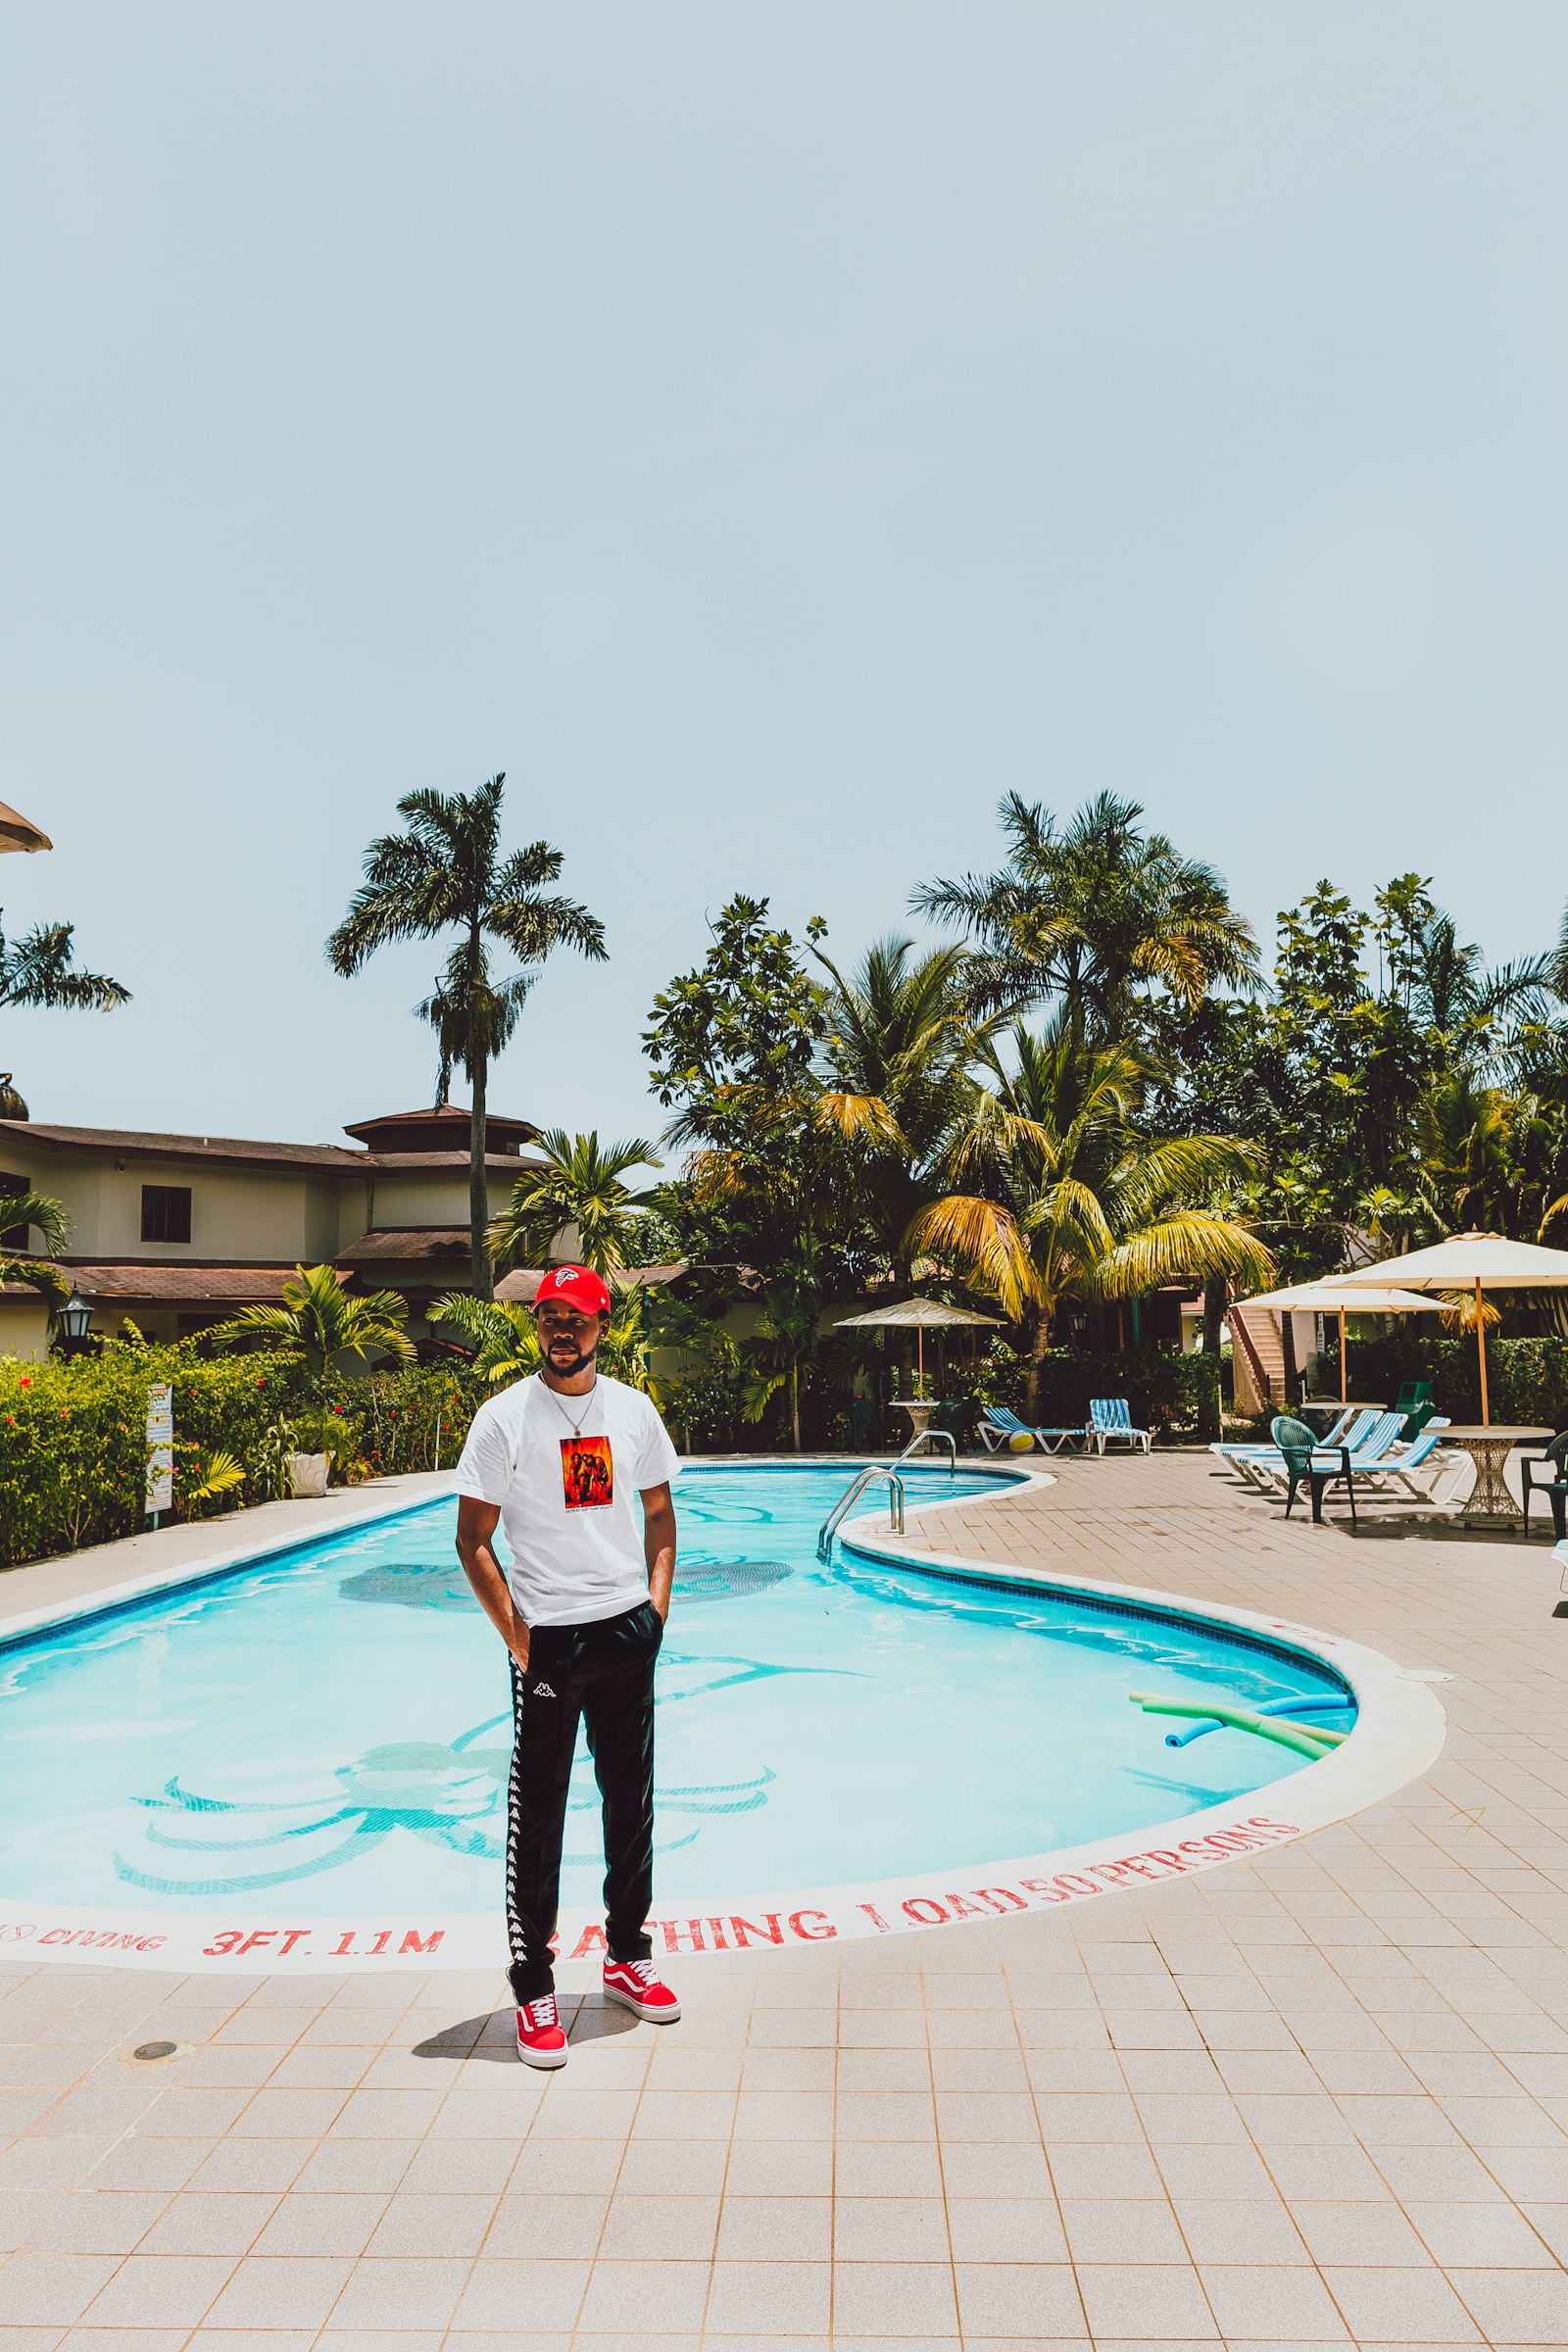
x=1318 y=2098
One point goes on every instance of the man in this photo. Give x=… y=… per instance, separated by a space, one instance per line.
x=581 y=1607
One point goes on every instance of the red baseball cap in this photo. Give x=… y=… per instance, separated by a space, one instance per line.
x=579 y=1286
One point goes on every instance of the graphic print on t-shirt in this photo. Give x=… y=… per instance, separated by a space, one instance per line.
x=587 y=1473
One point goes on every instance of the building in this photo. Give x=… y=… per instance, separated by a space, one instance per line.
x=179 y=1230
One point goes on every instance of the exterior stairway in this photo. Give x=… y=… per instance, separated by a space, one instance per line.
x=1257 y=1358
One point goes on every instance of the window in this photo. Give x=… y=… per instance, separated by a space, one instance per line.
x=166 y=1212
x=14 y=1237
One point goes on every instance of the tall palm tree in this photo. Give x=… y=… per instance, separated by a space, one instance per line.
x=38 y=970
x=320 y=1324
x=1055 y=1196
x=447 y=872
x=582 y=1183
x=896 y=1075
x=1090 y=912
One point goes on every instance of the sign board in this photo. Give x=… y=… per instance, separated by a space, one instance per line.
x=160 y=1479
x=159 y=1447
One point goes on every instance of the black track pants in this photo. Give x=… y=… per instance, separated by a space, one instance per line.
x=603 y=1674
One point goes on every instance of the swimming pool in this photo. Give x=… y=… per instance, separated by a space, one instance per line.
x=326 y=1731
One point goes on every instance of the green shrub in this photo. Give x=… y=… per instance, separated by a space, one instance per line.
x=74 y=1450
x=1527 y=1379
x=703 y=1410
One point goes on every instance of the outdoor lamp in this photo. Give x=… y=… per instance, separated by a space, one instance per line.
x=74 y=1316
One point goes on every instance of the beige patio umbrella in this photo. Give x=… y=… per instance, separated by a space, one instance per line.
x=1484 y=1261
x=919 y=1314
x=1322 y=1298
x=16 y=832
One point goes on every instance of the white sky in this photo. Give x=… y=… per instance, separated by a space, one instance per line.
x=768 y=434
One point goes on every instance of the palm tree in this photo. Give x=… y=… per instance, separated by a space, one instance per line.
x=1056 y=1197
x=581 y=1184
x=895 y=1069
x=21 y=1211
x=37 y=970
x=320 y=1324
x=1092 y=913
x=500 y=1334
x=447 y=872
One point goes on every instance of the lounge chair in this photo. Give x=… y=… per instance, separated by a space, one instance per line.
x=1349 y=1430
x=1109 y=1418
x=1272 y=1469
x=999 y=1427
x=1398 y=1468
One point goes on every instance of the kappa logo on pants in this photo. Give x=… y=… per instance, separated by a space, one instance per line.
x=543 y=1690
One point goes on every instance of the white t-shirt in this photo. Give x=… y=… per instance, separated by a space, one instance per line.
x=567 y=1507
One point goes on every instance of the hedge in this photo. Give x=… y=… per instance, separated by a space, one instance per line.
x=1527 y=1379
x=1166 y=1390
x=73 y=1434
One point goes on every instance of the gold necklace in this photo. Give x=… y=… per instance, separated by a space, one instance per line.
x=576 y=1427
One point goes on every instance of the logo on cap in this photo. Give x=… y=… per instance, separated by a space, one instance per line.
x=579 y=1286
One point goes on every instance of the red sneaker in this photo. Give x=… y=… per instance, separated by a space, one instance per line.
x=540 y=2040
x=637 y=1987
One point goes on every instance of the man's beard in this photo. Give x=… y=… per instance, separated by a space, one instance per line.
x=568 y=1371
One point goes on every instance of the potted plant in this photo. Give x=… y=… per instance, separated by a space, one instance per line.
x=316 y=1442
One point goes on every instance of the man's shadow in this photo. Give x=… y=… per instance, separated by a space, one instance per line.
x=493 y=2038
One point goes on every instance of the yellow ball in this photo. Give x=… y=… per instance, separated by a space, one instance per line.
x=1022 y=1441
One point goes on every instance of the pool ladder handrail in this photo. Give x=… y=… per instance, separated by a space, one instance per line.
x=863 y=1479
x=933 y=1437
x=852 y=1496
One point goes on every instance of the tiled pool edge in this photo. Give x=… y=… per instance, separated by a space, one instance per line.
x=1399 y=1734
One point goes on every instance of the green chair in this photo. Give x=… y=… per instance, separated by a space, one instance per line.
x=1554 y=1486
x=960 y=1416
x=1415 y=1401
x=1309 y=1464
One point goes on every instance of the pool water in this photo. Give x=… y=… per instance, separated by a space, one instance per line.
x=336 y=1719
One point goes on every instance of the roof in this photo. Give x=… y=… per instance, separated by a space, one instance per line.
x=175 y=1285
x=146 y=1144
x=404 y=1244
x=424 y=1163
x=441 y=1129
x=450 y=1148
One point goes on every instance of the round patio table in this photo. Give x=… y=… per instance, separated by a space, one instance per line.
x=1489 y=1446
x=919 y=1410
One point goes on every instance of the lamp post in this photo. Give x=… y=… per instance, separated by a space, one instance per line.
x=73 y=1319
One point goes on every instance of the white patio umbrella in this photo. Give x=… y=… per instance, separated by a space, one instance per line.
x=1322 y=1298
x=919 y=1316
x=1484 y=1261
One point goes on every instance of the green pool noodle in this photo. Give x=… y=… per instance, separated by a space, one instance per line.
x=1305 y=1739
